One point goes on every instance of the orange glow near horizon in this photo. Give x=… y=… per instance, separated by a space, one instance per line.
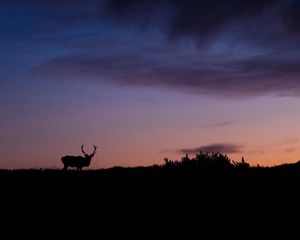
x=139 y=133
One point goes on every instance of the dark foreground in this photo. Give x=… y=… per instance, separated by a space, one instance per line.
x=149 y=202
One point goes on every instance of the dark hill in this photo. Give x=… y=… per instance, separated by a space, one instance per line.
x=174 y=198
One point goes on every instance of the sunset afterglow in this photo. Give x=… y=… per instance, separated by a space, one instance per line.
x=148 y=80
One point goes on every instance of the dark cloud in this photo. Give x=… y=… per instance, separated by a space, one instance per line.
x=204 y=19
x=247 y=20
x=291 y=15
x=257 y=76
x=243 y=47
x=218 y=147
x=217 y=124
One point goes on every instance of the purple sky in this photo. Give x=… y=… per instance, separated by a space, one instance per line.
x=144 y=80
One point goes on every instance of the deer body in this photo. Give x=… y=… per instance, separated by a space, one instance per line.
x=78 y=161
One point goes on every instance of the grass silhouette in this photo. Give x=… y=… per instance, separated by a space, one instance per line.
x=194 y=195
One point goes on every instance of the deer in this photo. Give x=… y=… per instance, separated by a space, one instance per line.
x=78 y=161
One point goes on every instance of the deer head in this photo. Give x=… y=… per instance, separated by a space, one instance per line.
x=88 y=156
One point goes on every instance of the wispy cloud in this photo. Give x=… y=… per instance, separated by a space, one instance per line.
x=216 y=124
x=287 y=145
x=285 y=141
x=273 y=77
x=290 y=150
x=217 y=147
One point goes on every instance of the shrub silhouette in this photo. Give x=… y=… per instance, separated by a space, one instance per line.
x=213 y=160
x=241 y=165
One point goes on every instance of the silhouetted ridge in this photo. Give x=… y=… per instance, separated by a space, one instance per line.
x=205 y=193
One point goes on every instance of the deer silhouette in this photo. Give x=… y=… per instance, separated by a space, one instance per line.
x=78 y=161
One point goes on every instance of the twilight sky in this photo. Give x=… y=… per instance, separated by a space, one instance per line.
x=144 y=80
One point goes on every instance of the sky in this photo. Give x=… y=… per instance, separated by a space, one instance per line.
x=147 y=80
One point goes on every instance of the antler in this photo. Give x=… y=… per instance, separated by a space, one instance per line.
x=95 y=148
x=83 y=150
